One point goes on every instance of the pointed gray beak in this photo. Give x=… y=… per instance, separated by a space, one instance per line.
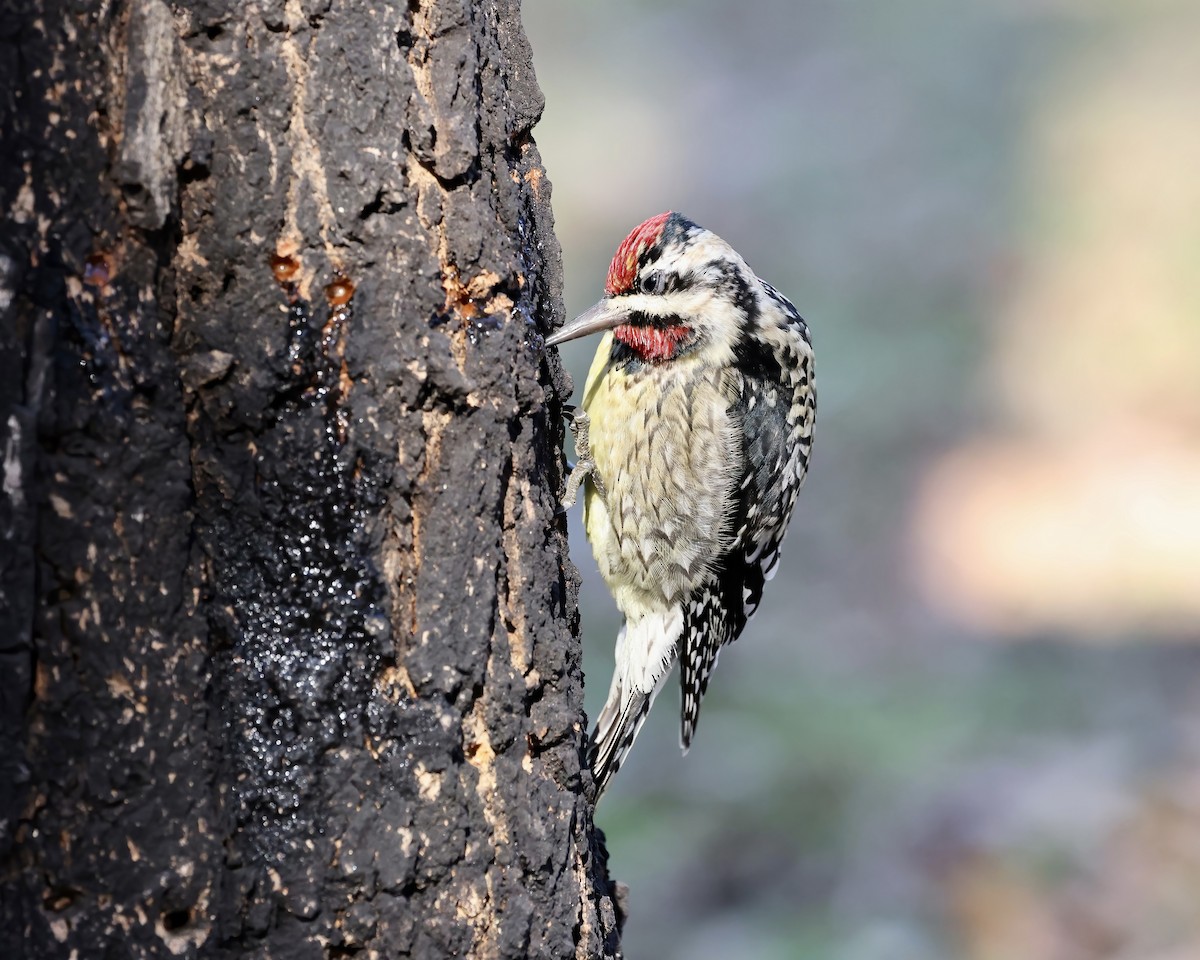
x=603 y=316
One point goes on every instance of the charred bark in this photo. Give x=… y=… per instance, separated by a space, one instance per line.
x=289 y=657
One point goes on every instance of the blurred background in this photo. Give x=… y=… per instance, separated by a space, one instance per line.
x=966 y=721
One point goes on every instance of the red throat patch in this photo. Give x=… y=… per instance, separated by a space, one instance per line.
x=652 y=344
x=624 y=264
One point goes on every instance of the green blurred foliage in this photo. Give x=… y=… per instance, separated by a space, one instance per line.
x=874 y=779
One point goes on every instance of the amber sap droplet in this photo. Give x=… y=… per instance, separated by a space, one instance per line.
x=284 y=268
x=97 y=270
x=339 y=291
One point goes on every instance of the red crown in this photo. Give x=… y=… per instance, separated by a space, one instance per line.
x=624 y=263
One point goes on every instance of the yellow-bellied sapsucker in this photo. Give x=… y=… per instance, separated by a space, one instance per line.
x=694 y=441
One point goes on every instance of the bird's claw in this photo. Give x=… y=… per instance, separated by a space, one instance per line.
x=585 y=466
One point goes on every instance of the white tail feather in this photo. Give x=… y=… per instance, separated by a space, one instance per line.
x=644 y=657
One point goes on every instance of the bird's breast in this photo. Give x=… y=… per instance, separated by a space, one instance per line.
x=666 y=451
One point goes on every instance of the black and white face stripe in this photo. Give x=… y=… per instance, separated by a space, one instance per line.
x=663 y=267
x=656 y=283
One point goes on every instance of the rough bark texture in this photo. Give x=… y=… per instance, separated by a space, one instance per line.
x=288 y=648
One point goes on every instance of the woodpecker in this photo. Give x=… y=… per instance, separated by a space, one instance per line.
x=693 y=441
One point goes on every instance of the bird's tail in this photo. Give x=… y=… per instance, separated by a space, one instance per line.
x=616 y=729
x=644 y=656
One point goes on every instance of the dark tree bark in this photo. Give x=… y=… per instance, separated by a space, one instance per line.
x=290 y=660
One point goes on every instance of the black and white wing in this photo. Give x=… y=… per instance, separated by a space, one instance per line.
x=776 y=405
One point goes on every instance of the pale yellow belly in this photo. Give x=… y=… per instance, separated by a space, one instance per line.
x=667 y=454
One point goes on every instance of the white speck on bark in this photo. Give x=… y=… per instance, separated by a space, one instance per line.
x=12 y=463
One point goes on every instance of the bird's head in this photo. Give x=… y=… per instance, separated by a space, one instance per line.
x=673 y=287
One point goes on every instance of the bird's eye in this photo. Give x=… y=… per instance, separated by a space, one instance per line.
x=654 y=283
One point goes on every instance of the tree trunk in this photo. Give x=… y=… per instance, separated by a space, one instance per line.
x=290 y=660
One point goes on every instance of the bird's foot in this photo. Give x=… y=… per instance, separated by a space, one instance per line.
x=585 y=465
